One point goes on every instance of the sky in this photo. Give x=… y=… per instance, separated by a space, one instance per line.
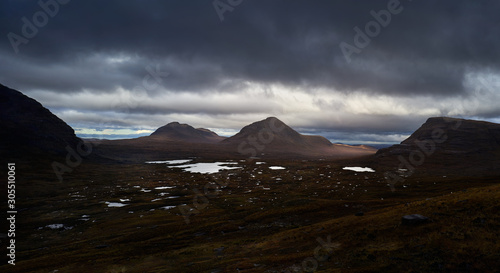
x=353 y=71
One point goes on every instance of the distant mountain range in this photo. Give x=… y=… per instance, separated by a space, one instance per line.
x=266 y=138
x=28 y=127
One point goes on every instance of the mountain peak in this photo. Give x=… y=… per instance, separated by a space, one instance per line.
x=272 y=119
x=271 y=128
x=272 y=136
x=271 y=125
x=443 y=120
x=177 y=124
x=176 y=131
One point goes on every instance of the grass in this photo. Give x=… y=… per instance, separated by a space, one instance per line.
x=237 y=230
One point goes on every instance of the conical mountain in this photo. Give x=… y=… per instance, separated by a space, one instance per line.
x=272 y=136
x=269 y=130
x=176 y=131
x=28 y=127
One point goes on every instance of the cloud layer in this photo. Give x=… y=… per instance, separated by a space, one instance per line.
x=140 y=65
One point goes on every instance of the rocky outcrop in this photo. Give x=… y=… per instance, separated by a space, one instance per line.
x=414 y=220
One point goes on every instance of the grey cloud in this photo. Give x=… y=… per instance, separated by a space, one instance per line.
x=426 y=50
x=290 y=42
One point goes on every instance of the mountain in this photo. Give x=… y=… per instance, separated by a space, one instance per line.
x=273 y=136
x=274 y=131
x=175 y=131
x=269 y=138
x=30 y=128
x=466 y=146
x=450 y=136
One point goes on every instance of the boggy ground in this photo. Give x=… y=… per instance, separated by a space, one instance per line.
x=254 y=219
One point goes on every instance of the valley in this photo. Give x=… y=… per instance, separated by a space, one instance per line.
x=267 y=199
x=255 y=218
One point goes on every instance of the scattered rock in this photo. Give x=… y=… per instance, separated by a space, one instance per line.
x=479 y=220
x=414 y=219
x=101 y=246
x=219 y=251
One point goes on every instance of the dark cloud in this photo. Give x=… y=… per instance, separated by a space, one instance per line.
x=423 y=50
x=427 y=49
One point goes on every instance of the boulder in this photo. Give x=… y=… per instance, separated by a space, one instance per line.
x=414 y=219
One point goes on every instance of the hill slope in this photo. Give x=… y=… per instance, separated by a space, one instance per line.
x=450 y=136
x=30 y=128
x=463 y=145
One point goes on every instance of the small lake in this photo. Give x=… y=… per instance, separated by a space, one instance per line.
x=208 y=168
x=170 y=162
x=359 y=169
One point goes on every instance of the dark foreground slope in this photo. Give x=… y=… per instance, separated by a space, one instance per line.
x=28 y=128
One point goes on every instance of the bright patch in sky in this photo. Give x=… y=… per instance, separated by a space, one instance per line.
x=107 y=132
x=127 y=84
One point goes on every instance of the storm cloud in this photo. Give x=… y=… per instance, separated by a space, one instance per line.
x=142 y=64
